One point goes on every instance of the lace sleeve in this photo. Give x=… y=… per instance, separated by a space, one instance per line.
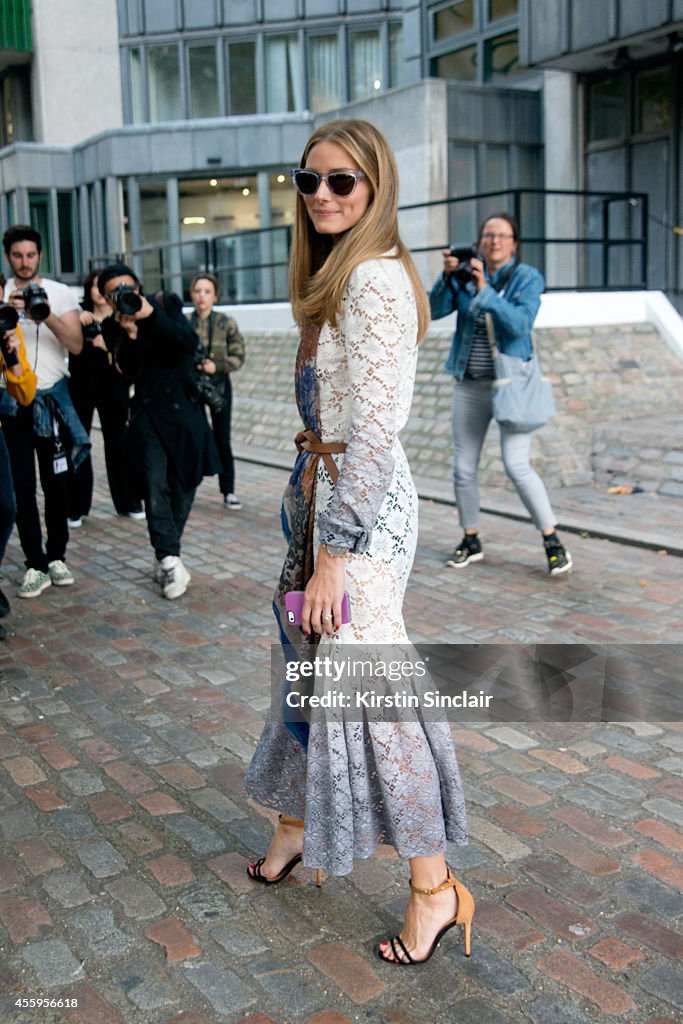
x=374 y=329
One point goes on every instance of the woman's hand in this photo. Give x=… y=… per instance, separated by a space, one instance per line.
x=450 y=263
x=478 y=274
x=86 y=317
x=323 y=597
x=208 y=366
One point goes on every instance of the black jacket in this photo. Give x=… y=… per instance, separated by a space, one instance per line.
x=160 y=362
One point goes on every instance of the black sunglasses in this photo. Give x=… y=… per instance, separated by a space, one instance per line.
x=341 y=183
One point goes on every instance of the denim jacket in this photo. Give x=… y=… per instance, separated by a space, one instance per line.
x=54 y=404
x=513 y=312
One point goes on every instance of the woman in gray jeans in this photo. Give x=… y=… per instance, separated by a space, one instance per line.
x=511 y=292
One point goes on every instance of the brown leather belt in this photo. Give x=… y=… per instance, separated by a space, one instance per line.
x=307 y=441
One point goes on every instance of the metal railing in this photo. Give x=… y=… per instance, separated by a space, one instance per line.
x=578 y=239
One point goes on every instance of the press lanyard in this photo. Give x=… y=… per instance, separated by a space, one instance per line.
x=59 y=463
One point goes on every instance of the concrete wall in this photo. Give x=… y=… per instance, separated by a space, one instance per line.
x=76 y=82
x=607 y=380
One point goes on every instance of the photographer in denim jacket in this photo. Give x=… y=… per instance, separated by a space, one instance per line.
x=499 y=284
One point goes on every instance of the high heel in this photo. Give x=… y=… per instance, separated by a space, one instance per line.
x=463 y=916
x=254 y=870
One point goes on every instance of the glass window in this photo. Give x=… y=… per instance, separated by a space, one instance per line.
x=66 y=216
x=137 y=88
x=653 y=100
x=323 y=72
x=501 y=9
x=241 y=77
x=607 y=109
x=365 y=64
x=501 y=57
x=164 y=83
x=396 y=62
x=203 y=81
x=461 y=65
x=455 y=18
x=39 y=218
x=283 y=74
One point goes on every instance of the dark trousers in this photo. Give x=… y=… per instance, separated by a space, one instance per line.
x=23 y=446
x=220 y=421
x=110 y=398
x=167 y=503
x=8 y=510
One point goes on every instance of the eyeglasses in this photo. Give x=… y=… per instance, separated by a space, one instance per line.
x=490 y=237
x=341 y=183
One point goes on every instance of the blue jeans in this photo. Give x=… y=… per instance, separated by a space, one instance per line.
x=472 y=413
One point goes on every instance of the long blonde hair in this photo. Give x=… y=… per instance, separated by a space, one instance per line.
x=319 y=267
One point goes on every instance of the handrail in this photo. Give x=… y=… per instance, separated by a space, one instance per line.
x=570 y=260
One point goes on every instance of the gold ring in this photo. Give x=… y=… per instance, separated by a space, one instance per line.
x=326 y=618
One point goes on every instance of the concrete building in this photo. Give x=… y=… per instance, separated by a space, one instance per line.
x=157 y=125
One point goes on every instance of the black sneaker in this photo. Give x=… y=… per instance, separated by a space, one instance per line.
x=559 y=559
x=468 y=550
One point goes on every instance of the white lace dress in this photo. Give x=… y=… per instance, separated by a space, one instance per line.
x=355 y=779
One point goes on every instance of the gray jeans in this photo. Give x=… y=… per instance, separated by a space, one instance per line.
x=472 y=413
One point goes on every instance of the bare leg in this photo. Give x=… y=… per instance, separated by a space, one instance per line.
x=425 y=915
x=287 y=841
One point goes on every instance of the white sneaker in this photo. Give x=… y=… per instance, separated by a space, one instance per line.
x=75 y=523
x=34 y=583
x=175 y=577
x=232 y=502
x=60 y=574
x=137 y=515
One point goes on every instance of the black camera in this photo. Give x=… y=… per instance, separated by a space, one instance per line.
x=207 y=392
x=36 y=302
x=463 y=272
x=9 y=318
x=91 y=331
x=126 y=299
x=203 y=389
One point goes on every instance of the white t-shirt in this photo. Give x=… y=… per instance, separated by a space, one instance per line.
x=45 y=353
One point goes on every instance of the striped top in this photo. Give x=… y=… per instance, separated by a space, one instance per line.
x=480 y=362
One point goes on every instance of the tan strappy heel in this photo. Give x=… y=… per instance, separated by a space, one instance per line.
x=254 y=870
x=463 y=916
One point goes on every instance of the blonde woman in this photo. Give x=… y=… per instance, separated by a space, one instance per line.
x=350 y=517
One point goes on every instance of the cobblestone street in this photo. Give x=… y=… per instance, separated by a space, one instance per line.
x=126 y=725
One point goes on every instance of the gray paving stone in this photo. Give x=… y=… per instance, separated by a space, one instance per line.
x=664 y=982
x=237 y=941
x=497 y=839
x=489 y=969
x=205 y=903
x=101 y=858
x=673 y=741
x=615 y=739
x=514 y=762
x=67 y=887
x=81 y=782
x=18 y=824
x=288 y=986
x=650 y=895
x=667 y=809
x=480 y=1011
x=550 y=779
x=200 y=837
x=129 y=736
x=221 y=987
x=557 y=1011
x=615 y=786
x=511 y=737
x=53 y=963
x=102 y=938
x=216 y=804
x=73 y=824
x=138 y=899
x=180 y=738
x=146 y=987
x=599 y=804
x=674 y=765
